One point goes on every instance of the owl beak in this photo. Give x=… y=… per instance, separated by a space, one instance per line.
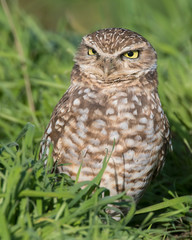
x=108 y=67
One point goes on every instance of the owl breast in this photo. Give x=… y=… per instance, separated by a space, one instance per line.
x=129 y=120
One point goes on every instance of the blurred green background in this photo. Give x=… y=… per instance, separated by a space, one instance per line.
x=38 y=40
x=166 y=24
x=49 y=33
x=84 y=16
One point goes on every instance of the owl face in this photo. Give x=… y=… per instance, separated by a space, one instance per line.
x=115 y=54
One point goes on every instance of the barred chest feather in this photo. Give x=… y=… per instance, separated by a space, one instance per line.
x=131 y=117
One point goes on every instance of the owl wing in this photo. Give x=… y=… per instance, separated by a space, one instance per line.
x=57 y=122
x=167 y=144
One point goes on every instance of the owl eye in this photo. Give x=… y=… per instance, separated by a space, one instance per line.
x=91 y=51
x=131 y=54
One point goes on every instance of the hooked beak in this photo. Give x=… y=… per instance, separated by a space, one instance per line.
x=108 y=67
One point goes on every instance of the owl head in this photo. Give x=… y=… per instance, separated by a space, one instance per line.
x=115 y=54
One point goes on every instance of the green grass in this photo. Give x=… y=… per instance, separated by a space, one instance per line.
x=33 y=203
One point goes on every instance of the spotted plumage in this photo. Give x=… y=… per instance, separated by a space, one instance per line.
x=112 y=96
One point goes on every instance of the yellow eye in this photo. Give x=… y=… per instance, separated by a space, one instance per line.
x=131 y=54
x=91 y=51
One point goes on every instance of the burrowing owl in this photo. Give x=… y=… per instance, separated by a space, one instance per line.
x=113 y=96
